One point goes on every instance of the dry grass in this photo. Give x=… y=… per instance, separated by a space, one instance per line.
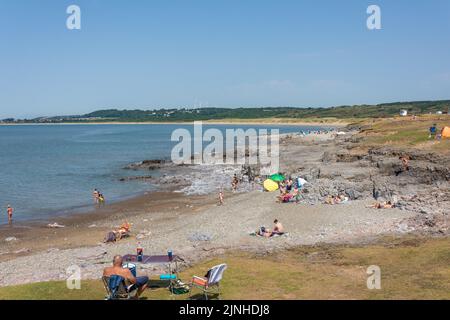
x=411 y=268
x=407 y=132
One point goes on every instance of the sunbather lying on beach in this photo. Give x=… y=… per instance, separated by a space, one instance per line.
x=338 y=199
x=124 y=229
x=278 y=230
x=382 y=205
x=263 y=232
x=119 y=233
x=284 y=197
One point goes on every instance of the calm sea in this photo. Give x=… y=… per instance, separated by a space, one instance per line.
x=52 y=169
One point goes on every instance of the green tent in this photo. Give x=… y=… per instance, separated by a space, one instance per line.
x=277 y=177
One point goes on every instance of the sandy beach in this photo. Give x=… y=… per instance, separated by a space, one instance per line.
x=195 y=227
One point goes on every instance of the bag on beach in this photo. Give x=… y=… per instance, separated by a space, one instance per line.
x=180 y=288
x=110 y=237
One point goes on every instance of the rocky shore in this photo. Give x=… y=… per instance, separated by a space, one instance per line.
x=191 y=224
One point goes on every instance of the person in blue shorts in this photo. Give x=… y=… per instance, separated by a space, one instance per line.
x=118 y=270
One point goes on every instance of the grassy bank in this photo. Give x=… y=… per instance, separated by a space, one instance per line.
x=411 y=268
x=405 y=132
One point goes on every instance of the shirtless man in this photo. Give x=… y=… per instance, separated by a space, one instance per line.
x=117 y=269
x=9 y=210
x=278 y=228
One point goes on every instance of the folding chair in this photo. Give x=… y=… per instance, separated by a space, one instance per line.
x=210 y=284
x=116 y=288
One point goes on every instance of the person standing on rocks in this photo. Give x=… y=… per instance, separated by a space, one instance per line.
x=405 y=162
x=234 y=183
x=9 y=211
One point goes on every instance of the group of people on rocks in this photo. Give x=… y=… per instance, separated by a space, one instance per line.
x=289 y=191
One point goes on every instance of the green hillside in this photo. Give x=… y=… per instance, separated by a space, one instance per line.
x=184 y=114
x=358 y=111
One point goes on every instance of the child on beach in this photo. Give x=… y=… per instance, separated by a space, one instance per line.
x=101 y=199
x=221 y=197
x=9 y=210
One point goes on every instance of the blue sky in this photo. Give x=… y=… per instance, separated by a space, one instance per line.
x=223 y=53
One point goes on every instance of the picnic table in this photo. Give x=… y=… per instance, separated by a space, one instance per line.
x=171 y=263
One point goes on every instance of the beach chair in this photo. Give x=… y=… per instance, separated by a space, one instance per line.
x=118 y=291
x=211 y=283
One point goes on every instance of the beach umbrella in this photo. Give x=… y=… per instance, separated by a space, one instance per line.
x=270 y=185
x=277 y=177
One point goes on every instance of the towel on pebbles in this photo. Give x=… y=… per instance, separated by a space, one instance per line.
x=197 y=236
x=55 y=225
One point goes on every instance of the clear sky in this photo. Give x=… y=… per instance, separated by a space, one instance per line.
x=223 y=53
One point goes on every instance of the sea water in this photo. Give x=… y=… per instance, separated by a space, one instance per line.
x=52 y=169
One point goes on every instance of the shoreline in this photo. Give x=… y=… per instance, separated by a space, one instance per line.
x=87 y=209
x=182 y=222
x=339 y=124
x=89 y=228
